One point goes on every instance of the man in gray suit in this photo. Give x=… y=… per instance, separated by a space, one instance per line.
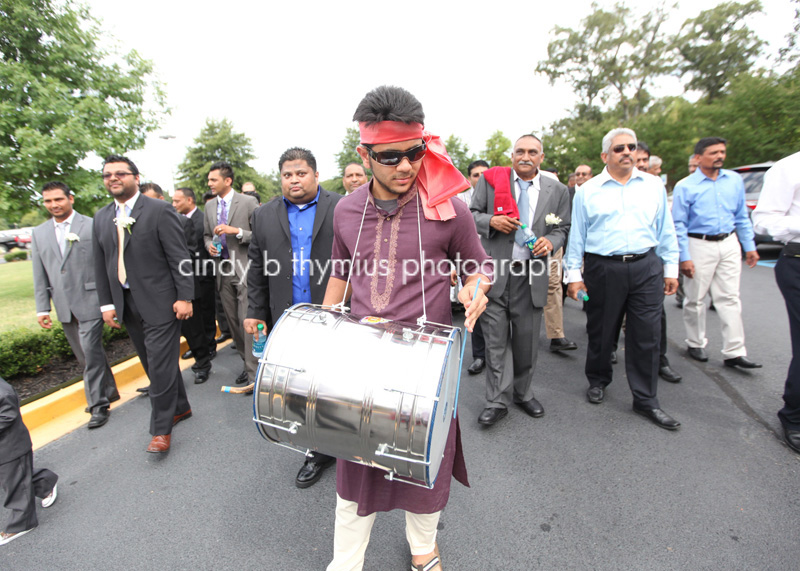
x=504 y=200
x=290 y=252
x=63 y=271
x=227 y=219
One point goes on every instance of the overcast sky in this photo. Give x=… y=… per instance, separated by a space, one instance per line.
x=291 y=73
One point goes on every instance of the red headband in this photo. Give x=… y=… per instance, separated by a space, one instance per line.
x=438 y=179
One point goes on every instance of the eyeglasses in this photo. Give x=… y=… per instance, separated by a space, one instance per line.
x=619 y=148
x=394 y=158
x=108 y=175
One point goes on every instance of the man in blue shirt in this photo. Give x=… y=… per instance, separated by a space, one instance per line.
x=623 y=234
x=710 y=213
x=289 y=258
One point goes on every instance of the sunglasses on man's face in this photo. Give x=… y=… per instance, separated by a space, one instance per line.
x=394 y=158
x=619 y=148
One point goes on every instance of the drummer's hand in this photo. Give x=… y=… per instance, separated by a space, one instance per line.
x=251 y=327
x=474 y=308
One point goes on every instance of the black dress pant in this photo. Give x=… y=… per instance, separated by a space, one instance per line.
x=634 y=290
x=200 y=329
x=787 y=274
x=478 y=341
x=159 y=347
x=23 y=485
x=662 y=355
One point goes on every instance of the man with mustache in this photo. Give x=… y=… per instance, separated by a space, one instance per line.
x=711 y=221
x=505 y=199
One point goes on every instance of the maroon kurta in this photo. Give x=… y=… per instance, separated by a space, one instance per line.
x=386 y=283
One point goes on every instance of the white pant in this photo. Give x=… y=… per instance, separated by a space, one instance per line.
x=351 y=535
x=718 y=268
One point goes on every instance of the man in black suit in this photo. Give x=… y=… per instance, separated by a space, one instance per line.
x=139 y=247
x=17 y=476
x=199 y=329
x=289 y=253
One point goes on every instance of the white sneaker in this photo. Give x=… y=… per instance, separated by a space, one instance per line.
x=50 y=498
x=7 y=537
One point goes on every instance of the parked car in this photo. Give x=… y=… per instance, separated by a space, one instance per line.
x=753 y=176
x=14 y=239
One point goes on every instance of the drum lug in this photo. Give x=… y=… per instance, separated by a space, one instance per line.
x=408 y=335
x=420 y=395
x=291 y=429
x=393 y=477
x=382 y=451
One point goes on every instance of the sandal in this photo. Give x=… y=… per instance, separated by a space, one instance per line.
x=431 y=564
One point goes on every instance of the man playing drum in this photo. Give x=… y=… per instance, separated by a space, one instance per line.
x=390 y=235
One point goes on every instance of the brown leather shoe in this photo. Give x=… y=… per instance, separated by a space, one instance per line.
x=159 y=444
x=179 y=417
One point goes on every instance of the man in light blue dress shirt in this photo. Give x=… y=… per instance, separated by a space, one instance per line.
x=710 y=214
x=623 y=233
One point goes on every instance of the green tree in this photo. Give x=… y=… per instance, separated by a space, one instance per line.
x=716 y=46
x=459 y=153
x=497 y=149
x=791 y=51
x=218 y=141
x=348 y=153
x=62 y=96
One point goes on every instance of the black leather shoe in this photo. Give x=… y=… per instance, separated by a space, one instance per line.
x=213 y=354
x=241 y=379
x=658 y=417
x=311 y=472
x=613 y=357
x=562 y=344
x=698 y=354
x=532 y=408
x=223 y=337
x=145 y=390
x=99 y=417
x=476 y=366
x=792 y=439
x=742 y=362
x=595 y=395
x=491 y=415
x=200 y=377
x=669 y=375
x=187 y=355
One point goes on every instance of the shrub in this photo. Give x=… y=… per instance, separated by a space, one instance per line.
x=26 y=351
x=16 y=254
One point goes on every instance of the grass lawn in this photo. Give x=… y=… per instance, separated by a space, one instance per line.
x=17 y=307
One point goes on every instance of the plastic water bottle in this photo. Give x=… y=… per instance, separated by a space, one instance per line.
x=260 y=344
x=217 y=243
x=582 y=295
x=530 y=237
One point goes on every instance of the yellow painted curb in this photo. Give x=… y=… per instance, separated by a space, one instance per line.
x=61 y=412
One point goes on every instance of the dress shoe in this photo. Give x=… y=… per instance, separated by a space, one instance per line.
x=595 y=395
x=668 y=374
x=223 y=337
x=562 y=344
x=182 y=416
x=311 y=472
x=187 y=355
x=792 y=439
x=491 y=415
x=658 y=417
x=200 y=377
x=145 y=390
x=742 y=362
x=613 y=357
x=159 y=444
x=213 y=354
x=698 y=354
x=50 y=498
x=532 y=408
x=476 y=366
x=242 y=378
x=99 y=417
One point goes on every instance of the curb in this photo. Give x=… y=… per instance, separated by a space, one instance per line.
x=61 y=412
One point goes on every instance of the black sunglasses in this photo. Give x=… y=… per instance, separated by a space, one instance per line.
x=619 y=148
x=394 y=158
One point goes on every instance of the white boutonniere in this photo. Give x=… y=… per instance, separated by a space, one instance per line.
x=552 y=220
x=73 y=237
x=125 y=221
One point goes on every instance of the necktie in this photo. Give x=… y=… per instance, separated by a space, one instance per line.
x=223 y=219
x=61 y=236
x=524 y=210
x=122 y=275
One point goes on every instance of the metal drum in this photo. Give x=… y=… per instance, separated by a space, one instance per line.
x=369 y=390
